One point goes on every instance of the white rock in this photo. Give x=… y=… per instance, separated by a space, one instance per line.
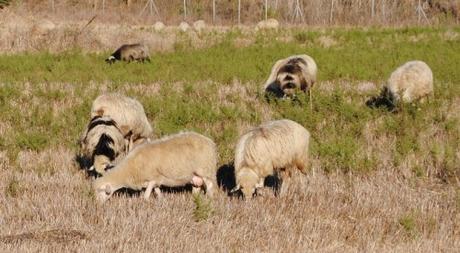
x=270 y=23
x=199 y=25
x=159 y=26
x=43 y=27
x=184 y=26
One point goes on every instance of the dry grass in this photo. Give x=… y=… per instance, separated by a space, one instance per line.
x=315 y=12
x=378 y=212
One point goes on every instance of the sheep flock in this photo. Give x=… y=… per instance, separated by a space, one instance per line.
x=121 y=150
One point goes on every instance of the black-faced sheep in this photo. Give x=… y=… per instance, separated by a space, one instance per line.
x=176 y=160
x=118 y=123
x=291 y=74
x=271 y=147
x=130 y=52
x=408 y=83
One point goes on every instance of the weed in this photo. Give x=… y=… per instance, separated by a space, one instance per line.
x=203 y=209
x=13 y=189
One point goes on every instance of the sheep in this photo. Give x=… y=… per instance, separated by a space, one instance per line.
x=118 y=123
x=102 y=142
x=130 y=52
x=275 y=146
x=289 y=74
x=176 y=160
x=412 y=81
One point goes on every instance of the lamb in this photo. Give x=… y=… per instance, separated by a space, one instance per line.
x=412 y=81
x=130 y=52
x=287 y=75
x=176 y=160
x=275 y=146
x=118 y=123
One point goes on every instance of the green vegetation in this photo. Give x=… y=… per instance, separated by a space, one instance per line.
x=13 y=189
x=45 y=98
x=357 y=55
x=203 y=209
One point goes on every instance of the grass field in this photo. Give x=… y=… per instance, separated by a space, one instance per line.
x=379 y=181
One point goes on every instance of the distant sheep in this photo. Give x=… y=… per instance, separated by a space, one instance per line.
x=290 y=74
x=270 y=23
x=271 y=147
x=410 y=82
x=130 y=52
x=118 y=123
x=176 y=160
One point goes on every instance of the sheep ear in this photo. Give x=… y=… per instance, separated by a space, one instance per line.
x=236 y=188
x=100 y=112
x=108 y=190
x=125 y=131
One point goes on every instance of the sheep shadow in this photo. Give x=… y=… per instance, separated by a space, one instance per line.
x=226 y=181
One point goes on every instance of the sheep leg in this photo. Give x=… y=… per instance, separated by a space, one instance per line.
x=302 y=165
x=311 y=102
x=209 y=187
x=149 y=189
x=158 y=192
x=284 y=186
x=131 y=143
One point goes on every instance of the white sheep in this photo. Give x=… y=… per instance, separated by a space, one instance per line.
x=413 y=81
x=172 y=161
x=290 y=74
x=271 y=147
x=118 y=123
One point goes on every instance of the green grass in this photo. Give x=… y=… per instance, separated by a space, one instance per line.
x=45 y=98
x=359 y=55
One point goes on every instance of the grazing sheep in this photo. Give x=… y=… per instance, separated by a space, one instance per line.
x=287 y=75
x=118 y=123
x=270 y=23
x=130 y=52
x=410 y=82
x=176 y=160
x=102 y=143
x=274 y=146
